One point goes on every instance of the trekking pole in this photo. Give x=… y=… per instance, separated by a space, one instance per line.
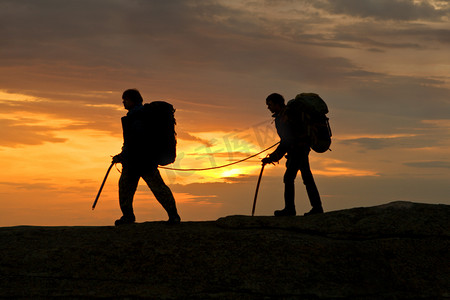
x=101 y=187
x=257 y=188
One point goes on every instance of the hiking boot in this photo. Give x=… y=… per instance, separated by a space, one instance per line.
x=174 y=219
x=285 y=212
x=125 y=220
x=314 y=211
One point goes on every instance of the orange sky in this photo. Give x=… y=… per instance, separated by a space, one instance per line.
x=382 y=68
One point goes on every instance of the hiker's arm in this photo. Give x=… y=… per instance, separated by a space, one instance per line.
x=119 y=157
x=277 y=154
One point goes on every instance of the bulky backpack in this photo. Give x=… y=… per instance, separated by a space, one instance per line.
x=159 y=122
x=311 y=110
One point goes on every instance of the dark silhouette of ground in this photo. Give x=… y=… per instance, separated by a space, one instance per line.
x=394 y=251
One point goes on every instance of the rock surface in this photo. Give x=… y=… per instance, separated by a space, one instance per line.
x=394 y=251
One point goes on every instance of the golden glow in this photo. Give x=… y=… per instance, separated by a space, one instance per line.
x=190 y=199
x=35 y=119
x=61 y=178
x=113 y=106
x=335 y=168
x=347 y=172
x=14 y=97
x=218 y=149
x=231 y=173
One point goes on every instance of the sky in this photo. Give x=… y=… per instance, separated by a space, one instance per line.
x=382 y=66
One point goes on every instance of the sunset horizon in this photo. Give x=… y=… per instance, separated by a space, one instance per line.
x=382 y=68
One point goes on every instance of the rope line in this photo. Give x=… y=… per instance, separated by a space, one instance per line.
x=222 y=166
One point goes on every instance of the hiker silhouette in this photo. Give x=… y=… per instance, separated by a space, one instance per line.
x=139 y=159
x=295 y=143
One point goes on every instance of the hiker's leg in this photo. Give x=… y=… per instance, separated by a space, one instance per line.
x=128 y=183
x=162 y=192
x=289 y=184
x=308 y=181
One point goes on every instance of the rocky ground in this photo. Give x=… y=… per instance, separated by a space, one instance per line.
x=394 y=251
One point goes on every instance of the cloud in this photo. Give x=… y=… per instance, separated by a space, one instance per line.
x=30 y=186
x=188 y=47
x=429 y=164
x=377 y=35
x=141 y=39
x=189 y=137
x=405 y=10
x=225 y=56
x=27 y=120
x=14 y=134
x=64 y=114
x=385 y=96
x=409 y=142
x=130 y=33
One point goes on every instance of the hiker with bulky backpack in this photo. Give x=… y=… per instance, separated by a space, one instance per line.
x=148 y=141
x=302 y=126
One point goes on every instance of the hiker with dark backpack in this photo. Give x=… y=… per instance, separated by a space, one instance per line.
x=148 y=141
x=298 y=134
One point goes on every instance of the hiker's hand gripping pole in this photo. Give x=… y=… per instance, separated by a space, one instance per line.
x=257 y=188
x=101 y=187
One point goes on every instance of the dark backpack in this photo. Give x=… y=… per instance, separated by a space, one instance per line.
x=311 y=110
x=159 y=123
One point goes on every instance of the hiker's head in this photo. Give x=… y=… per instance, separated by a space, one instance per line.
x=275 y=102
x=131 y=98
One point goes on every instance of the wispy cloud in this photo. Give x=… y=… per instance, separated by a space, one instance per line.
x=30 y=186
x=404 y=10
x=389 y=142
x=429 y=164
x=14 y=134
x=189 y=137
